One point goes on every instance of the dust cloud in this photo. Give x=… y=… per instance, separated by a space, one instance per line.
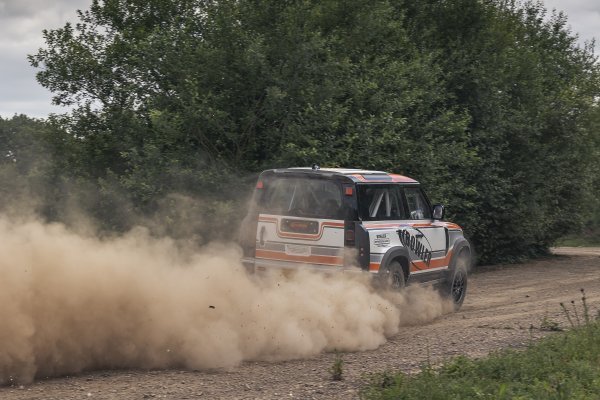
x=73 y=302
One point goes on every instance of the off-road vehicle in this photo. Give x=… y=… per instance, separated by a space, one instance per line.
x=349 y=220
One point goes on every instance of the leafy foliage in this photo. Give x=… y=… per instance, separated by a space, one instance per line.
x=490 y=104
x=529 y=91
x=25 y=162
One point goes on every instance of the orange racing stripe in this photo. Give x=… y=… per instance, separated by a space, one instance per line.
x=435 y=263
x=420 y=265
x=305 y=236
x=279 y=256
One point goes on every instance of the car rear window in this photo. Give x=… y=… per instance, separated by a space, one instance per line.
x=301 y=197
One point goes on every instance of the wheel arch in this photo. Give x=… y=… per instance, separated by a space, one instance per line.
x=448 y=288
x=399 y=254
x=461 y=245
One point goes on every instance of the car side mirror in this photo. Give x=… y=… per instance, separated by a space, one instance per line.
x=438 y=211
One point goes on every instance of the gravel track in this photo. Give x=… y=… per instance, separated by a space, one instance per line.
x=504 y=308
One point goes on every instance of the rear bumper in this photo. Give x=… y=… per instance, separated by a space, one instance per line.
x=258 y=265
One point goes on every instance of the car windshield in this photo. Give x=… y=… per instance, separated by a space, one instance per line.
x=381 y=202
x=300 y=197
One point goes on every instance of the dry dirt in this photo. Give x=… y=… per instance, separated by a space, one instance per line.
x=505 y=306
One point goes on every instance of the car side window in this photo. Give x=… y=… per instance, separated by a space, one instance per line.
x=380 y=202
x=418 y=207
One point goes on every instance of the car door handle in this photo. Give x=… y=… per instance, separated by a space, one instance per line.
x=262 y=237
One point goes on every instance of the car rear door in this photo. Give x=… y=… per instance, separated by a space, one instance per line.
x=300 y=222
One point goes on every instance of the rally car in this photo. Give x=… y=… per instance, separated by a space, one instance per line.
x=334 y=219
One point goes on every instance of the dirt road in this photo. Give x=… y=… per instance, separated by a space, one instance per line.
x=504 y=308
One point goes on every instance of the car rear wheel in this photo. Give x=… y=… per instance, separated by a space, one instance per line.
x=392 y=276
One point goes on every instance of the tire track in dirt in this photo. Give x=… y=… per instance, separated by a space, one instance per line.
x=504 y=308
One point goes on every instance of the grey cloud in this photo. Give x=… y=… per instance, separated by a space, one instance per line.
x=32 y=107
x=583 y=17
x=21 y=25
x=27 y=8
x=25 y=20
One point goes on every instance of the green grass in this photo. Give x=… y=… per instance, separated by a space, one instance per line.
x=563 y=366
x=337 y=368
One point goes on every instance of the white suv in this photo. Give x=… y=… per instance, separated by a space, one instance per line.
x=334 y=219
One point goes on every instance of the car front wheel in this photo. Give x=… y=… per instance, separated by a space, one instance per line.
x=455 y=287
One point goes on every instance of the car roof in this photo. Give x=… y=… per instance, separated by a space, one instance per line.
x=353 y=174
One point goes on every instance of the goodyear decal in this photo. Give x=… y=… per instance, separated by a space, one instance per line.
x=411 y=242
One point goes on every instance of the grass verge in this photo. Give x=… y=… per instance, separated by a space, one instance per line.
x=563 y=366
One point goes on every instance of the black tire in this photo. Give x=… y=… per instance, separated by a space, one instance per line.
x=455 y=287
x=392 y=276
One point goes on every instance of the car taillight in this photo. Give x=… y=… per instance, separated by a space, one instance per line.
x=260 y=185
x=349 y=238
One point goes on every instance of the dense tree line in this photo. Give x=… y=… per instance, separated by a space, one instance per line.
x=25 y=161
x=490 y=103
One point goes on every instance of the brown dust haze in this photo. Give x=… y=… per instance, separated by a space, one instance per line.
x=71 y=302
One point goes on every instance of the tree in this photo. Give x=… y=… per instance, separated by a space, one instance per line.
x=486 y=102
x=23 y=157
x=178 y=95
x=529 y=90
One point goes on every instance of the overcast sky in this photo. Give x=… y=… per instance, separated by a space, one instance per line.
x=22 y=22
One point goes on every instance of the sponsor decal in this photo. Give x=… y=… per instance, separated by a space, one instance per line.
x=412 y=242
x=381 y=240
